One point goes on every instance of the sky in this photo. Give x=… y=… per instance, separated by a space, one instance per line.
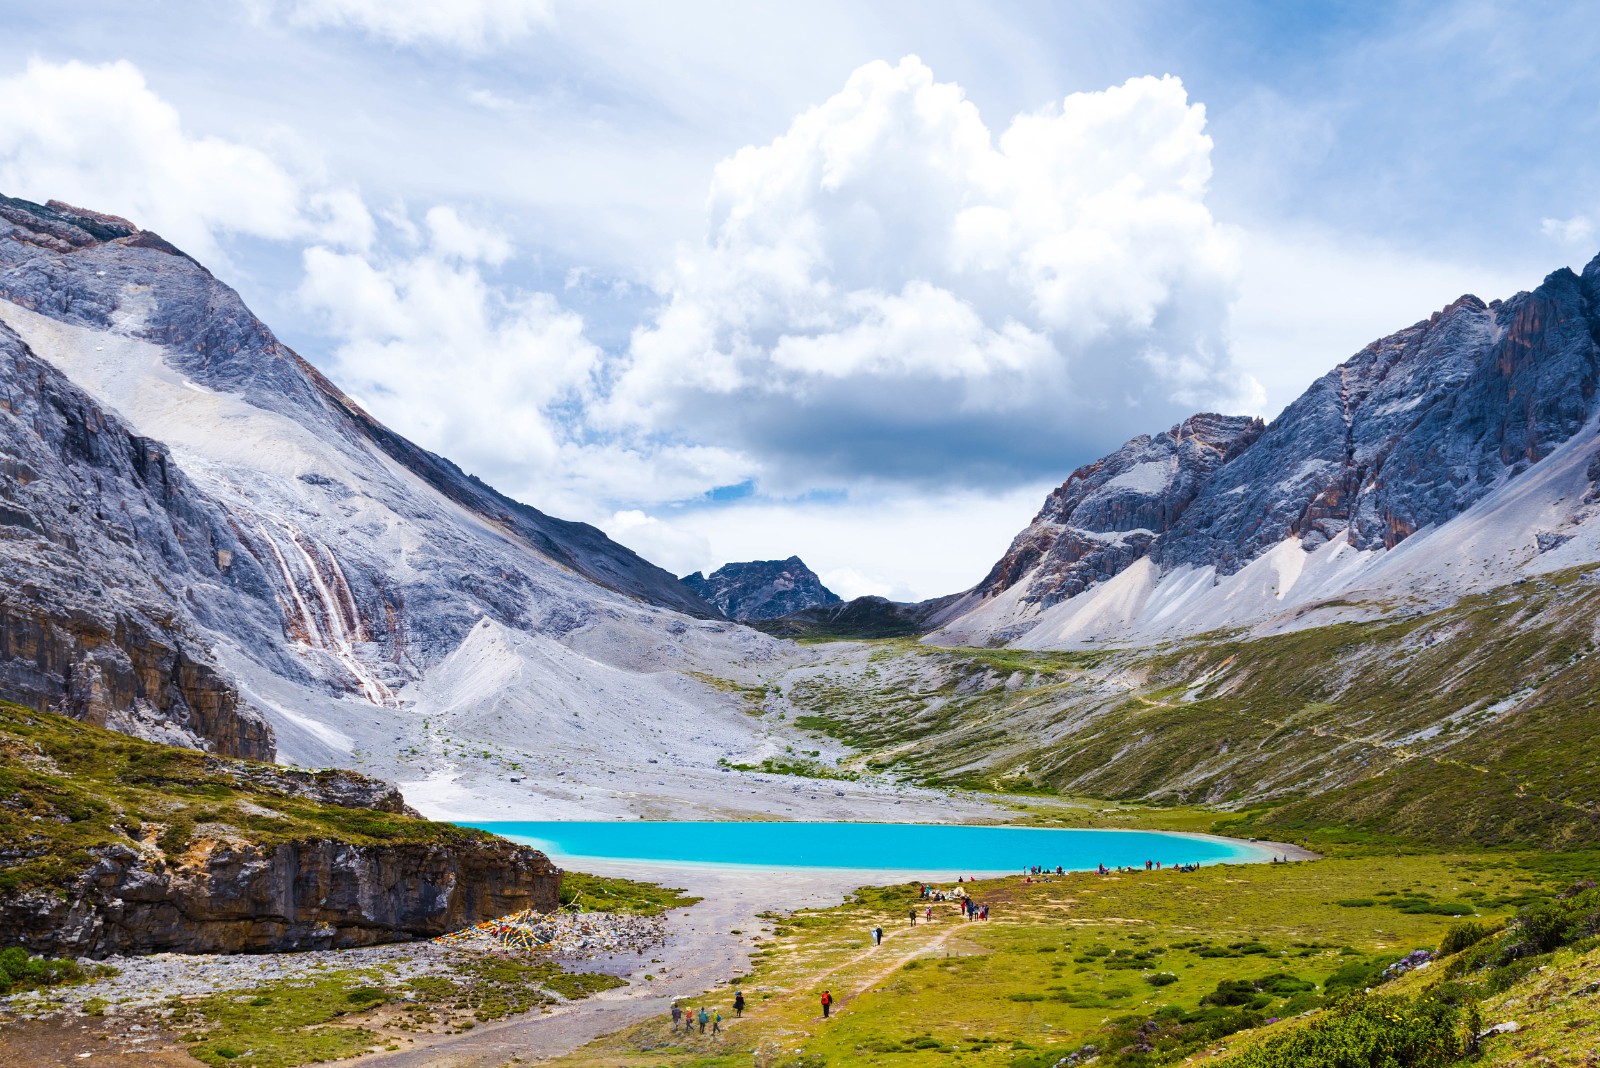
x=856 y=282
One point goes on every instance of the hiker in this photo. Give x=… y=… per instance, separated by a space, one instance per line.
x=913 y=916
x=877 y=936
x=827 y=1001
x=738 y=1003
x=677 y=1016
x=930 y=913
x=716 y=1023
x=704 y=1018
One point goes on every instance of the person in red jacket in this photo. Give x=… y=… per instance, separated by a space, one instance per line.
x=827 y=1002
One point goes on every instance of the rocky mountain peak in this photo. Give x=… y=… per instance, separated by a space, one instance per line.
x=762 y=589
x=1109 y=513
x=1399 y=439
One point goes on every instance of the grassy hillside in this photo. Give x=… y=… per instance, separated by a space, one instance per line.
x=1466 y=725
x=1153 y=968
x=66 y=787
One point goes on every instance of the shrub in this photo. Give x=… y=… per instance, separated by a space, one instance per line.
x=1161 y=979
x=21 y=971
x=1283 y=985
x=1369 y=1029
x=1462 y=935
x=1549 y=925
x=1236 y=992
x=1359 y=974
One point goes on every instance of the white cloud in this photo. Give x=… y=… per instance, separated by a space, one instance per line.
x=453 y=237
x=658 y=542
x=1578 y=230
x=464 y=24
x=888 y=290
x=849 y=583
x=98 y=137
x=447 y=359
x=905 y=546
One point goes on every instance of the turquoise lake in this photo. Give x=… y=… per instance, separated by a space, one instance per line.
x=909 y=847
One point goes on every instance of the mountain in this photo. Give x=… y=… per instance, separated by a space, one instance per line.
x=1448 y=457
x=207 y=543
x=762 y=589
x=860 y=618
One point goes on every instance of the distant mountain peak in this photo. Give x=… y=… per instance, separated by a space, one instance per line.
x=762 y=589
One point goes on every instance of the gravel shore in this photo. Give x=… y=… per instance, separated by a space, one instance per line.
x=149 y=982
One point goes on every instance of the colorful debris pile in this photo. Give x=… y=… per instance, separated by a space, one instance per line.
x=561 y=933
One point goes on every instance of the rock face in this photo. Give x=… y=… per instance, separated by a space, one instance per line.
x=1411 y=430
x=227 y=896
x=108 y=555
x=1111 y=512
x=762 y=589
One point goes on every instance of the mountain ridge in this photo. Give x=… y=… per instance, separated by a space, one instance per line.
x=1415 y=431
x=754 y=590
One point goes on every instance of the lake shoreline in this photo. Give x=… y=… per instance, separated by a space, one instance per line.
x=602 y=847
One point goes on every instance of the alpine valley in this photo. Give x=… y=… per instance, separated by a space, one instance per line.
x=253 y=644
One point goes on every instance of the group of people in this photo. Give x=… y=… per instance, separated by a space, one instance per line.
x=1149 y=865
x=686 y=1019
x=970 y=909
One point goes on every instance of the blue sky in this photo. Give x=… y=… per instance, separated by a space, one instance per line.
x=858 y=282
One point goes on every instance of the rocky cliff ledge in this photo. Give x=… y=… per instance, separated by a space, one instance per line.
x=110 y=844
x=225 y=894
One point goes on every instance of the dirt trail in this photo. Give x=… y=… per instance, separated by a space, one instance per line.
x=873 y=978
x=701 y=953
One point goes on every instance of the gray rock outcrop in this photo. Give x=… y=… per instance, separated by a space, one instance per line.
x=1410 y=431
x=108 y=554
x=762 y=589
x=1112 y=512
x=228 y=895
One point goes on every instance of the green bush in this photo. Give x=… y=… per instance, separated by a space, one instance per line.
x=1161 y=979
x=1359 y=974
x=1463 y=935
x=1369 y=1029
x=1231 y=992
x=19 y=970
x=1549 y=925
x=1284 y=985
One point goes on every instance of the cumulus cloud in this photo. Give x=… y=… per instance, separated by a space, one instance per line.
x=99 y=137
x=900 y=544
x=445 y=357
x=889 y=290
x=454 y=237
x=463 y=24
x=1578 y=230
